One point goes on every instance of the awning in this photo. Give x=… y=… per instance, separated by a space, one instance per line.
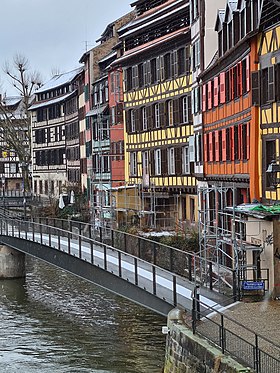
x=97 y=110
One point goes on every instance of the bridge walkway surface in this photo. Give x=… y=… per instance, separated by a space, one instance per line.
x=171 y=289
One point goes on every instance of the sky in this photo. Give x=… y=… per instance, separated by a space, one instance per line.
x=53 y=34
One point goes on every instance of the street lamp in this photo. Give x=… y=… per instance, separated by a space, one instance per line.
x=272 y=174
x=3 y=190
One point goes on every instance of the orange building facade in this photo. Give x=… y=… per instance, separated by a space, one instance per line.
x=230 y=122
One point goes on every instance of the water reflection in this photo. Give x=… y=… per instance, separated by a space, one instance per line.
x=54 y=321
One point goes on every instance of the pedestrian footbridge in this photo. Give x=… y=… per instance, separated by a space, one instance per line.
x=153 y=275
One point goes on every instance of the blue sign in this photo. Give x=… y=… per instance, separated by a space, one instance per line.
x=253 y=285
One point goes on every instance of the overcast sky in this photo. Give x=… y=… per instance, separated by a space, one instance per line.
x=53 y=33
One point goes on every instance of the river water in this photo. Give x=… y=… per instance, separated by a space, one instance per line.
x=55 y=322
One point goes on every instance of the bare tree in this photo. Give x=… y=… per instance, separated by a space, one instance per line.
x=15 y=123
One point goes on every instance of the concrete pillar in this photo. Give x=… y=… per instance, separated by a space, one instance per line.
x=12 y=263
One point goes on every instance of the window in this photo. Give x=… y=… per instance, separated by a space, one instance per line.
x=140 y=75
x=132 y=120
x=196 y=55
x=134 y=76
x=158 y=162
x=170 y=113
x=144 y=119
x=113 y=115
x=133 y=164
x=185 y=160
x=185 y=107
x=171 y=161
x=157 y=116
x=167 y=65
x=145 y=163
x=153 y=70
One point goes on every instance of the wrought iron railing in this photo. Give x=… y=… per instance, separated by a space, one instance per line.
x=233 y=338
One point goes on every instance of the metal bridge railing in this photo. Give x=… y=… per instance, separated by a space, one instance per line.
x=183 y=263
x=108 y=258
x=233 y=338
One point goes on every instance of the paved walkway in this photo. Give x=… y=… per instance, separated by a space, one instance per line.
x=262 y=317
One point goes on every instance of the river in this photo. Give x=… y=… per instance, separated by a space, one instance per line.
x=55 y=322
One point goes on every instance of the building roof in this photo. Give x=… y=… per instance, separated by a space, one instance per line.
x=60 y=80
x=257 y=210
x=56 y=100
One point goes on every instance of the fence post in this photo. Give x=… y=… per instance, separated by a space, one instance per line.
x=154 y=254
x=120 y=263
x=190 y=266
x=174 y=291
x=136 y=271
x=257 y=355
x=154 y=281
x=125 y=248
x=171 y=260
x=105 y=257
x=139 y=247
x=112 y=237
x=210 y=275
x=222 y=334
x=100 y=234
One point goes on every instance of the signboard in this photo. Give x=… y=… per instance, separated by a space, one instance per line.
x=253 y=285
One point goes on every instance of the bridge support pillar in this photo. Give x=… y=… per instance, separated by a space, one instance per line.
x=12 y=263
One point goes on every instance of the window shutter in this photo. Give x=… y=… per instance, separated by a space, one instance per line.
x=176 y=111
x=127 y=121
x=255 y=88
x=178 y=161
x=231 y=78
x=232 y=142
x=190 y=108
x=248 y=73
x=240 y=142
x=197 y=147
x=239 y=78
x=164 y=165
x=152 y=163
x=191 y=149
x=217 y=155
x=248 y=141
x=210 y=138
x=209 y=92
x=204 y=97
x=224 y=145
x=216 y=91
x=205 y=148
x=222 y=88
x=271 y=84
x=119 y=112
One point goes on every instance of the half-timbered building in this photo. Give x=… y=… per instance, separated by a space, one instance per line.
x=55 y=132
x=266 y=95
x=159 y=141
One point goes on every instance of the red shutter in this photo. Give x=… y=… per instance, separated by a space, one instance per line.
x=222 y=88
x=248 y=141
x=204 y=97
x=209 y=90
x=239 y=78
x=231 y=78
x=210 y=138
x=240 y=142
x=232 y=142
x=248 y=73
x=217 y=155
x=216 y=91
x=224 y=145
x=205 y=148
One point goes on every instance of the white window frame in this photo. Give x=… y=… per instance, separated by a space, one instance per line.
x=132 y=120
x=185 y=107
x=144 y=119
x=158 y=162
x=171 y=161
x=170 y=113
x=186 y=160
x=145 y=162
x=157 y=116
x=133 y=164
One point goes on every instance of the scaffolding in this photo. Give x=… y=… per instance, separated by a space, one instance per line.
x=222 y=234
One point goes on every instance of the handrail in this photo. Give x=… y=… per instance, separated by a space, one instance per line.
x=45 y=232
x=227 y=339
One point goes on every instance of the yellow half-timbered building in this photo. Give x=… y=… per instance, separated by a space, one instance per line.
x=266 y=94
x=159 y=140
